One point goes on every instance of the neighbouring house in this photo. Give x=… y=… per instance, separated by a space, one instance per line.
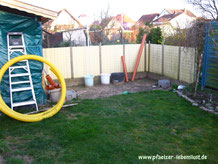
x=64 y=21
x=120 y=28
x=170 y=19
x=113 y=30
x=149 y=18
x=25 y=22
x=144 y=22
x=66 y=28
x=74 y=37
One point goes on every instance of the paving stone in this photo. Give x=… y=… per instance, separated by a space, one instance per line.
x=195 y=104
x=164 y=83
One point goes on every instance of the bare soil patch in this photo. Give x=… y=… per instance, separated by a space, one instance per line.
x=98 y=91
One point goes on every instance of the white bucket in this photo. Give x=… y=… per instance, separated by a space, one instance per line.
x=55 y=95
x=89 y=80
x=105 y=78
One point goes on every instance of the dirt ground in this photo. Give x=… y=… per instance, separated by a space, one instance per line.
x=116 y=89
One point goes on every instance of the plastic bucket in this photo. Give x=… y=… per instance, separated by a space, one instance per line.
x=117 y=77
x=105 y=78
x=55 y=95
x=89 y=80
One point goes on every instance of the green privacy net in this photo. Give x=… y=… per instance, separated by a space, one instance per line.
x=32 y=32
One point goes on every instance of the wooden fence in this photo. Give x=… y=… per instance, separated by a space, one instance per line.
x=75 y=62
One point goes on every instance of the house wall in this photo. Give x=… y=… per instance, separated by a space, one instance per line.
x=113 y=24
x=171 y=61
x=182 y=21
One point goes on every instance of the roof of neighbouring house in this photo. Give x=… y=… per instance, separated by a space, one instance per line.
x=173 y=14
x=62 y=27
x=177 y=11
x=166 y=18
x=174 y=11
x=45 y=14
x=125 y=18
x=120 y=19
x=147 y=18
x=70 y=16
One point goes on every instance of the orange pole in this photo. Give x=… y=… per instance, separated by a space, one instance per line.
x=124 y=68
x=139 y=57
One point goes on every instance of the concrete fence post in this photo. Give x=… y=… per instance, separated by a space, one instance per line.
x=124 y=50
x=149 y=55
x=71 y=62
x=100 y=59
x=179 y=60
x=145 y=49
x=162 y=71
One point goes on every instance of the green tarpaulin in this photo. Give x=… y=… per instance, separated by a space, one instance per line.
x=32 y=32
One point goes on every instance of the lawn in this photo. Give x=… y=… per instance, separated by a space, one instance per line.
x=114 y=130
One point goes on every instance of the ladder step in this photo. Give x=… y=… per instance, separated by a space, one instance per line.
x=20 y=82
x=16 y=46
x=22 y=61
x=19 y=48
x=21 y=89
x=15 y=67
x=20 y=74
x=24 y=103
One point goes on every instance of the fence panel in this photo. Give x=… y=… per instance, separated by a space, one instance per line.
x=85 y=61
x=187 y=65
x=156 y=58
x=107 y=59
x=111 y=58
x=171 y=54
x=60 y=57
x=131 y=54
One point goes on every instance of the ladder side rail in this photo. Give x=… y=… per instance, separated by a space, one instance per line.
x=22 y=49
x=31 y=85
x=9 y=73
x=30 y=77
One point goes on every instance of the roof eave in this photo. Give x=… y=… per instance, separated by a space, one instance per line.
x=38 y=11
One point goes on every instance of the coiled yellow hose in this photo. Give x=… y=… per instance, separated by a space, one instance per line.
x=40 y=116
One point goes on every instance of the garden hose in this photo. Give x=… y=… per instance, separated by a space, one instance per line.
x=40 y=116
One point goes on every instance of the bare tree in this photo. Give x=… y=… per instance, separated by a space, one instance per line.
x=208 y=7
x=105 y=13
x=103 y=27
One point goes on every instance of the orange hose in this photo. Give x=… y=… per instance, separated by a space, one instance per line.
x=139 y=57
x=50 y=80
x=124 y=68
x=52 y=85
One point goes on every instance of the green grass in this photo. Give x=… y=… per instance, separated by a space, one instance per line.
x=114 y=130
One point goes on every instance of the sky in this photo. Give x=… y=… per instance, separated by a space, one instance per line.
x=132 y=8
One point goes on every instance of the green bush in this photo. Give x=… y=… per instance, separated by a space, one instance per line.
x=155 y=36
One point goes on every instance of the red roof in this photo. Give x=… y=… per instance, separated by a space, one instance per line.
x=125 y=18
